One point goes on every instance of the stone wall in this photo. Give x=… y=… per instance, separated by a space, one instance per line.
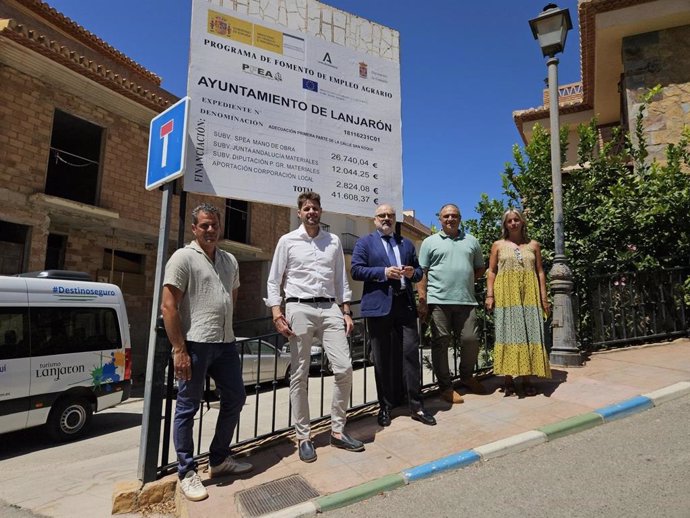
x=663 y=58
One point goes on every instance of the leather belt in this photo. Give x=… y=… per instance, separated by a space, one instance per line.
x=309 y=301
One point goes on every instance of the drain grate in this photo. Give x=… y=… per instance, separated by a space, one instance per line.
x=274 y=496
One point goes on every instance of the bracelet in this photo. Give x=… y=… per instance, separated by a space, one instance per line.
x=489 y=297
x=278 y=318
x=347 y=313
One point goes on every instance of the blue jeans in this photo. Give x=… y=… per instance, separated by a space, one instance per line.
x=222 y=362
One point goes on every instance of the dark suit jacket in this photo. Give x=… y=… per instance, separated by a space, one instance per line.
x=369 y=262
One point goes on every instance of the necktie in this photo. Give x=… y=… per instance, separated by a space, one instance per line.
x=394 y=262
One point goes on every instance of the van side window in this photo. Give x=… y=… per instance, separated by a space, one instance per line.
x=73 y=330
x=14 y=332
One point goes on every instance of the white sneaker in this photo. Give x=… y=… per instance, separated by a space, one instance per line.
x=192 y=487
x=230 y=466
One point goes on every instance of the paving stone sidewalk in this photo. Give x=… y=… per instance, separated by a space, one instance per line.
x=607 y=378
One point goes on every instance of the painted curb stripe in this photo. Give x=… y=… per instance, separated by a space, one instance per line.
x=671 y=392
x=572 y=425
x=625 y=408
x=512 y=444
x=505 y=446
x=457 y=460
x=296 y=511
x=357 y=493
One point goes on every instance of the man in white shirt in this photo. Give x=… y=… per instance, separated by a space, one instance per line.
x=311 y=262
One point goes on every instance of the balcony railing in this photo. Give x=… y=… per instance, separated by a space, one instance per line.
x=567 y=94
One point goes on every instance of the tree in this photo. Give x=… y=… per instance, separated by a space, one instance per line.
x=622 y=212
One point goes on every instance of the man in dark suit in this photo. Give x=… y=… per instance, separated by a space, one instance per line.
x=387 y=263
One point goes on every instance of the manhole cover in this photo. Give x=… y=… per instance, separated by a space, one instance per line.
x=274 y=496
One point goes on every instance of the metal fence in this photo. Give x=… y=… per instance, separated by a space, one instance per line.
x=625 y=309
x=267 y=412
x=636 y=307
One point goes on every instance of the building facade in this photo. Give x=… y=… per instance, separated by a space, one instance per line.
x=74 y=122
x=627 y=47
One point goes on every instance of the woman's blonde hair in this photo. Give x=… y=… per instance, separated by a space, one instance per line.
x=521 y=217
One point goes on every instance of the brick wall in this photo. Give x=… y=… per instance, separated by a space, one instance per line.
x=25 y=124
x=27 y=105
x=250 y=302
x=267 y=224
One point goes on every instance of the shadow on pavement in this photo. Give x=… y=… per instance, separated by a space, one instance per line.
x=22 y=442
x=550 y=386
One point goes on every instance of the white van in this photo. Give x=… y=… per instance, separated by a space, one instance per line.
x=65 y=351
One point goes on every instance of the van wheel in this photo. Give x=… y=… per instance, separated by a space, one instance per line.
x=288 y=373
x=69 y=418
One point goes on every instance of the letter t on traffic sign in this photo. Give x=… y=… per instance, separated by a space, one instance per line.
x=166 y=129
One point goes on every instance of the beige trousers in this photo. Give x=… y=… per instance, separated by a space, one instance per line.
x=315 y=324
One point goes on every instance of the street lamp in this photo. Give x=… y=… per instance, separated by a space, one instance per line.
x=551 y=28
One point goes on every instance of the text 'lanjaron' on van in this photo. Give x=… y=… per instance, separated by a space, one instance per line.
x=65 y=351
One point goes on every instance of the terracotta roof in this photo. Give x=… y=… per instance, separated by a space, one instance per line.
x=72 y=28
x=415 y=225
x=115 y=71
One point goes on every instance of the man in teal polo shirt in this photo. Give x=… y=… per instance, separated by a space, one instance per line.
x=452 y=260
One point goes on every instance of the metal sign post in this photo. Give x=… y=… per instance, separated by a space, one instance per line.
x=167 y=149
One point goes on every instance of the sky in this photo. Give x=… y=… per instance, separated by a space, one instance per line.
x=465 y=67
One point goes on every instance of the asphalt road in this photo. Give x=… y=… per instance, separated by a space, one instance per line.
x=637 y=466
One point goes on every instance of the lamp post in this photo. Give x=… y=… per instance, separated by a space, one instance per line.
x=551 y=28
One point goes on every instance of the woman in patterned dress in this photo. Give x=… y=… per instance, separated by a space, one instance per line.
x=516 y=292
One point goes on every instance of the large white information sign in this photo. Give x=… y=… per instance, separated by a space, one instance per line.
x=275 y=112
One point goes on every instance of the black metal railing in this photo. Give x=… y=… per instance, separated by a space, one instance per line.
x=267 y=412
x=637 y=307
x=625 y=309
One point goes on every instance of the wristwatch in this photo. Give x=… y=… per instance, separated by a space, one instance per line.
x=348 y=313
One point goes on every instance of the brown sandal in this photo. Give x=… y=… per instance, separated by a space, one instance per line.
x=508 y=388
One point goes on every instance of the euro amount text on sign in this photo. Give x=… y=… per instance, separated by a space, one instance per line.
x=276 y=112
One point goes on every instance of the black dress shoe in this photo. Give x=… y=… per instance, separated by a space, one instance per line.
x=384 y=418
x=423 y=417
x=347 y=443
x=306 y=451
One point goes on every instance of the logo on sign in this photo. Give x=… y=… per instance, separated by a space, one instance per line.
x=220 y=25
x=261 y=72
x=326 y=60
x=310 y=85
x=363 y=70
